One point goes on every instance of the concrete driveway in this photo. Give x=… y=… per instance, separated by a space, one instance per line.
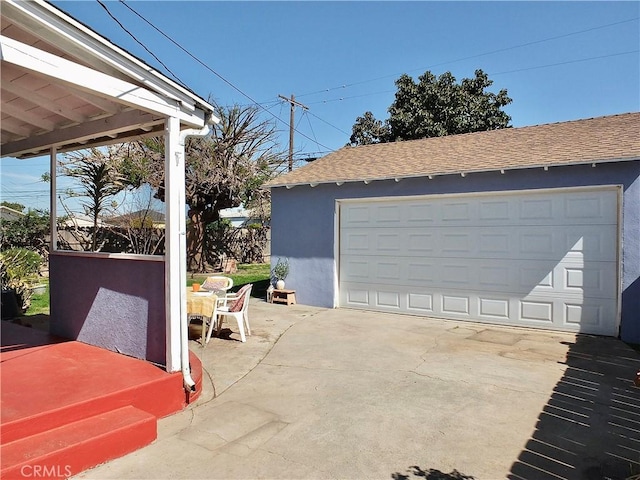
x=325 y=394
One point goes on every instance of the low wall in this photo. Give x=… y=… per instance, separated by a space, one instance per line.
x=113 y=301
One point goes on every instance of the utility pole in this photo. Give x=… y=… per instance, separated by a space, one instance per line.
x=293 y=103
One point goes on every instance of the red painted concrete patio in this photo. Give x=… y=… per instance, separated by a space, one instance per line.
x=68 y=406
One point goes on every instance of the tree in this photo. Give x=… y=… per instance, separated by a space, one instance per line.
x=368 y=130
x=18 y=207
x=29 y=231
x=434 y=107
x=223 y=170
x=98 y=171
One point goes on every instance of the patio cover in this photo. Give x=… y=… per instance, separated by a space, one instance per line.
x=65 y=87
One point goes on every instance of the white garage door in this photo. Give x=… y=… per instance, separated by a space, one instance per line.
x=544 y=259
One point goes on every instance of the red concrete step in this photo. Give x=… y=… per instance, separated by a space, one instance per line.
x=46 y=385
x=143 y=396
x=74 y=447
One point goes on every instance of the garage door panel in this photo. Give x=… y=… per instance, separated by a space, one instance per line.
x=595 y=241
x=521 y=277
x=546 y=259
x=567 y=314
x=387 y=299
x=597 y=208
x=591 y=280
x=484 y=210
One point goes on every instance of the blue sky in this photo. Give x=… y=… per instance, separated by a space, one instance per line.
x=559 y=61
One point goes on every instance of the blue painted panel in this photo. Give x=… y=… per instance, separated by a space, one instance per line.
x=116 y=304
x=302 y=222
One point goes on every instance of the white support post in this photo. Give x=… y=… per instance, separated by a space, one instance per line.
x=53 y=200
x=175 y=241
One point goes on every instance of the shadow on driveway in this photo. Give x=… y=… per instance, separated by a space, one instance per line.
x=595 y=407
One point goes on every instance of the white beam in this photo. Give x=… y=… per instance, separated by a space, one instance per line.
x=42 y=101
x=53 y=200
x=27 y=116
x=9 y=126
x=51 y=25
x=175 y=241
x=95 y=82
x=122 y=122
x=106 y=105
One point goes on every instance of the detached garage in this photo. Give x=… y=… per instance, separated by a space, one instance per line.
x=535 y=226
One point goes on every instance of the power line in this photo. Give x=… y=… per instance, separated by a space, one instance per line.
x=475 y=56
x=351 y=96
x=490 y=74
x=566 y=62
x=138 y=41
x=209 y=68
x=330 y=124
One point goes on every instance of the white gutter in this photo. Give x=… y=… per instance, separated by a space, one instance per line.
x=189 y=383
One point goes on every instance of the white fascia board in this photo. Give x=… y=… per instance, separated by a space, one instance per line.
x=98 y=83
x=54 y=23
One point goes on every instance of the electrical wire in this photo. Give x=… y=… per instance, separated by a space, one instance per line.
x=138 y=41
x=229 y=83
x=489 y=74
x=500 y=50
x=330 y=124
x=566 y=62
x=310 y=126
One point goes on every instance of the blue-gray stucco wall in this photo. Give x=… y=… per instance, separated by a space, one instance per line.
x=302 y=222
x=113 y=303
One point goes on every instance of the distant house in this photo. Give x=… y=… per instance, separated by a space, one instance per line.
x=141 y=218
x=536 y=226
x=9 y=214
x=79 y=220
x=239 y=216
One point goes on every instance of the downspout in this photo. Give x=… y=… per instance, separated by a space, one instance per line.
x=188 y=382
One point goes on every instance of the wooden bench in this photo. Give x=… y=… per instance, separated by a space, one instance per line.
x=284 y=296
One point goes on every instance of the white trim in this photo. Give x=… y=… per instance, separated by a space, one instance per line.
x=53 y=200
x=110 y=256
x=95 y=82
x=387 y=198
x=174 y=182
x=619 y=254
x=54 y=26
x=336 y=255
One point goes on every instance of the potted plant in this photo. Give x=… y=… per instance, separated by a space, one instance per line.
x=280 y=272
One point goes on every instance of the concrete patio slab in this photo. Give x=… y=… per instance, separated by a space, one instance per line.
x=318 y=394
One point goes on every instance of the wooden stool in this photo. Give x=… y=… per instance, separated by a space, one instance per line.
x=284 y=296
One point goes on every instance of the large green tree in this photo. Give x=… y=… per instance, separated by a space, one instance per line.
x=433 y=107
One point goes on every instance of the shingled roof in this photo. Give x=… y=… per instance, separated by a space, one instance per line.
x=595 y=140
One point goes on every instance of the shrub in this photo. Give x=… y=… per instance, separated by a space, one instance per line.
x=18 y=271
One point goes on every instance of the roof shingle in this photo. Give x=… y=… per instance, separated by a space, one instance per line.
x=595 y=140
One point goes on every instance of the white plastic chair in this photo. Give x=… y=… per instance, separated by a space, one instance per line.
x=236 y=306
x=219 y=284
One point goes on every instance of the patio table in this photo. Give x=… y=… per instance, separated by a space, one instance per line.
x=202 y=304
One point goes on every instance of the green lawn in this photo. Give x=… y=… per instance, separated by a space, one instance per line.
x=40 y=303
x=258 y=274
